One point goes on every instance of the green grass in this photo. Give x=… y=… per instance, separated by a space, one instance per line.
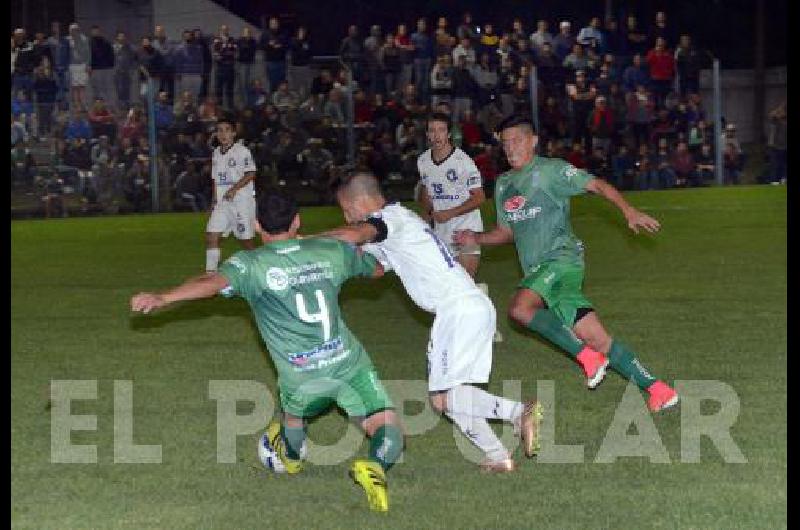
x=703 y=300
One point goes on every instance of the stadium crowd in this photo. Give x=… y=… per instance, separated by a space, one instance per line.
x=620 y=98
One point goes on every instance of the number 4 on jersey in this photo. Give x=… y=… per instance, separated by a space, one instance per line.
x=321 y=316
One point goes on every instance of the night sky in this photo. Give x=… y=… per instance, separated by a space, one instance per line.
x=725 y=27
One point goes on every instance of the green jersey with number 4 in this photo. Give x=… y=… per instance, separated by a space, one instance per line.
x=293 y=288
x=534 y=203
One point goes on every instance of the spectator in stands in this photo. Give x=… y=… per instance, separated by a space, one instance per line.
x=102 y=76
x=485 y=75
x=189 y=65
x=246 y=47
x=19 y=133
x=663 y=166
x=403 y=41
x=640 y=114
x=635 y=38
x=190 y=187
x=732 y=155
x=164 y=115
x=688 y=62
x=504 y=50
x=444 y=42
x=80 y=62
x=124 y=67
x=224 y=52
x=283 y=98
x=581 y=96
x=137 y=189
x=23 y=166
x=299 y=71
x=466 y=29
x=541 y=37
x=41 y=51
x=151 y=65
x=22 y=108
x=372 y=46
x=133 y=126
x=351 y=52
x=576 y=60
x=423 y=59
x=257 y=95
x=102 y=119
x=601 y=126
x=323 y=83
x=622 y=168
x=46 y=90
x=470 y=130
x=167 y=50
x=78 y=126
x=23 y=64
x=646 y=172
x=705 y=164
x=489 y=40
x=334 y=108
x=662 y=30
x=517 y=30
x=635 y=74
x=729 y=136
x=523 y=54
x=60 y=47
x=442 y=81
x=390 y=64
x=614 y=41
x=576 y=157
x=599 y=164
x=465 y=89
x=466 y=50
x=208 y=62
x=777 y=144
x=564 y=42
x=591 y=36
x=274 y=43
x=104 y=178
x=662 y=70
x=317 y=163
x=684 y=166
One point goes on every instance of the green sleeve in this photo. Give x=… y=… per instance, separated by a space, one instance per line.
x=498 y=202
x=236 y=270
x=566 y=180
x=357 y=262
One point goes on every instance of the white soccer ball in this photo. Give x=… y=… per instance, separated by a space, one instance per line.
x=269 y=457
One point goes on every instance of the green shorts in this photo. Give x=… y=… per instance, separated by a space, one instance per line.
x=560 y=284
x=362 y=395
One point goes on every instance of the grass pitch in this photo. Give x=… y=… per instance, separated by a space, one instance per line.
x=703 y=300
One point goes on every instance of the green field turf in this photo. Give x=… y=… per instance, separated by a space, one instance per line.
x=703 y=300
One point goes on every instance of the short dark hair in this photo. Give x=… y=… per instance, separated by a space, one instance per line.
x=515 y=120
x=439 y=116
x=228 y=118
x=276 y=211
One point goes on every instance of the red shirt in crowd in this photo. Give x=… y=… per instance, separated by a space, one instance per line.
x=577 y=159
x=662 y=65
x=486 y=165
x=470 y=132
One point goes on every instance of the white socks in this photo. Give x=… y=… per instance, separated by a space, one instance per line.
x=481 y=434
x=212 y=259
x=473 y=401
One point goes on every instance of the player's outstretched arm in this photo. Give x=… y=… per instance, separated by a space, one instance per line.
x=500 y=235
x=204 y=286
x=635 y=218
x=355 y=234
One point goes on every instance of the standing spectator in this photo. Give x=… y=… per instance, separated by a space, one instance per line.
x=635 y=74
x=549 y=69
x=390 y=64
x=444 y=41
x=224 y=54
x=59 y=44
x=403 y=41
x=523 y=54
x=208 y=62
x=614 y=39
x=591 y=36
x=563 y=42
x=466 y=29
x=506 y=78
x=576 y=60
x=601 y=126
x=246 y=46
x=541 y=37
x=189 y=65
x=466 y=50
x=635 y=38
x=471 y=131
x=163 y=112
x=485 y=75
x=299 y=71
x=423 y=57
x=660 y=29
x=46 y=89
x=441 y=81
x=662 y=70
x=351 y=52
x=102 y=54
x=552 y=119
x=24 y=63
x=517 y=31
x=489 y=40
x=622 y=168
x=689 y=61
x=464 y=89
x=124 y=66
x=372 y=46
x=581 y=96
x=101 y=119
x=151 y=65
x=640 y=114
x=273 y=42
x=776 y=142
x=41 y=50
x=167 y=50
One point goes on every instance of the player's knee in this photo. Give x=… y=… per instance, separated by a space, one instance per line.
x=598 y=342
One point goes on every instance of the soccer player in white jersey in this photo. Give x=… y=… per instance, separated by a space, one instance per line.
x=451 y=194
x=460 y=347
x=233 y=171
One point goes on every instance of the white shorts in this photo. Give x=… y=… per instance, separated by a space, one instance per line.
x=470 y=221
x=78 y=76
x=235 y=217
x=460 y=348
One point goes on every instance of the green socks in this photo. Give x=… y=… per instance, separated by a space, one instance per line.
x=625 y=362
x=548 y=325
x=386 y=446
x=293 y=438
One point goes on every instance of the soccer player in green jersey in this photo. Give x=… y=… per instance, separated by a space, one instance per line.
x=292 y=286
x=533 y=200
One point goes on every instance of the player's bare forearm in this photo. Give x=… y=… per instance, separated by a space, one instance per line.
x=476 y=198
x=356 y=234
x=248 y=178
x=204 y=286
x=500 y=235
x=425 y=203
x=634 y=217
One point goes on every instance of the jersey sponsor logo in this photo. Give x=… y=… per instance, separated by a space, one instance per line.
x=571 y=171
x=451 y=175
x=522 y=215
x=438 y=189
x=514 y=203
x=277 y=279
x=323 y=351
x=472 y=181
x=288 y=250
x=239 y=264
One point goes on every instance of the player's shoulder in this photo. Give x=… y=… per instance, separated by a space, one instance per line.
x=425 y=157
x=240 y=149
x=459 y=155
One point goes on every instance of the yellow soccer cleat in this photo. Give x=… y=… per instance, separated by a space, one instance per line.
x=276 y=441
x=527 y=427
x=370 y=476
